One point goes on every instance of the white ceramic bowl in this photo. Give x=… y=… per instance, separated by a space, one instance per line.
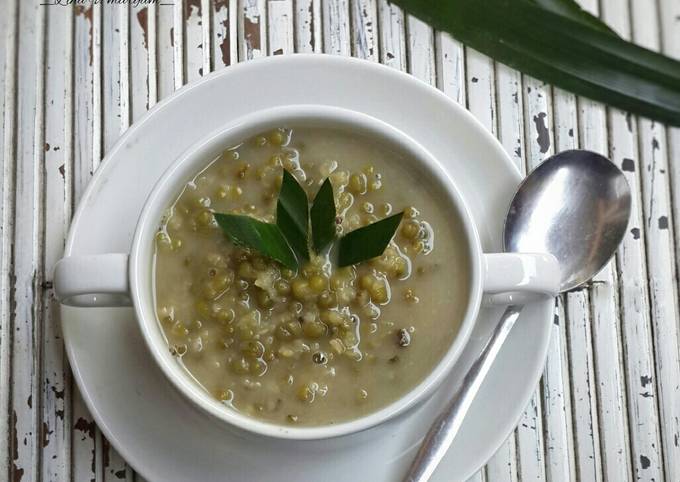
x=117 y=279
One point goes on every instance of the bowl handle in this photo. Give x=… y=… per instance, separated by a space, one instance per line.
x=517 y=278
x=99 y=280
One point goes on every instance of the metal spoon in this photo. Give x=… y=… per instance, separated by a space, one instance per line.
x=575 y=206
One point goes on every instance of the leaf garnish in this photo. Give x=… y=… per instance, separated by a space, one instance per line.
x=287 y=241
x=323 y=217
x=263 y=237
x=367 y=242
x=557 y=43
x=292 y=215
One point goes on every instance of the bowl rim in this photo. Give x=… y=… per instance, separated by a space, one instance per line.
x=192 y=161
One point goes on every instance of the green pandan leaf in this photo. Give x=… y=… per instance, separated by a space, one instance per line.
x=571 y=9
x=323 y=217
x=287 y=241
x=292 y=215
x=367 y=242
x=555 y=41
x=263 y=237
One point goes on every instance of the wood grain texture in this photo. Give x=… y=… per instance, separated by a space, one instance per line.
x=106 y=461
x=224 y=43
x=654 y=164
x=611 y=460
x=420 y=41
x=392 y=35
x=474 y=86
x=142 y=80
x=539 y=142
x=73 y=78
x=336 y=27
x=643 y=421
x=169 y=48
x=523 y=109
x=510 y=112
x=450 y=56
x=86 y=156
x=557 y=413
x=571 y=121
x=252 y=19
x=55 y=425
x=280 y=23
x=364 y=17
x=669 y=15
x=27 y=268
x=196 y=39
x=479 y=81
x=308 y=26
x=8 y=54
x=506 y=107
x=115 y=84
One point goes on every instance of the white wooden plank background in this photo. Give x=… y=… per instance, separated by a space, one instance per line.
x=73 y=78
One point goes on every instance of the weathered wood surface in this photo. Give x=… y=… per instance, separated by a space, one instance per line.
x=72 y=79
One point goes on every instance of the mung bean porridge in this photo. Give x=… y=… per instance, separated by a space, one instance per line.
x=324 y=344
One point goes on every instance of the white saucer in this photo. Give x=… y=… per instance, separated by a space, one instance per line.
x=159 y=433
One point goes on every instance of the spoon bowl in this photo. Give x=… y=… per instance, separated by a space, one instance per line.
x=575 y=206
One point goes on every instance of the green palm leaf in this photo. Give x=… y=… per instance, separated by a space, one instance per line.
x=557 y=42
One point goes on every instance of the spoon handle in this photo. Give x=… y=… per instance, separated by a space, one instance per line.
x=446 y=425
